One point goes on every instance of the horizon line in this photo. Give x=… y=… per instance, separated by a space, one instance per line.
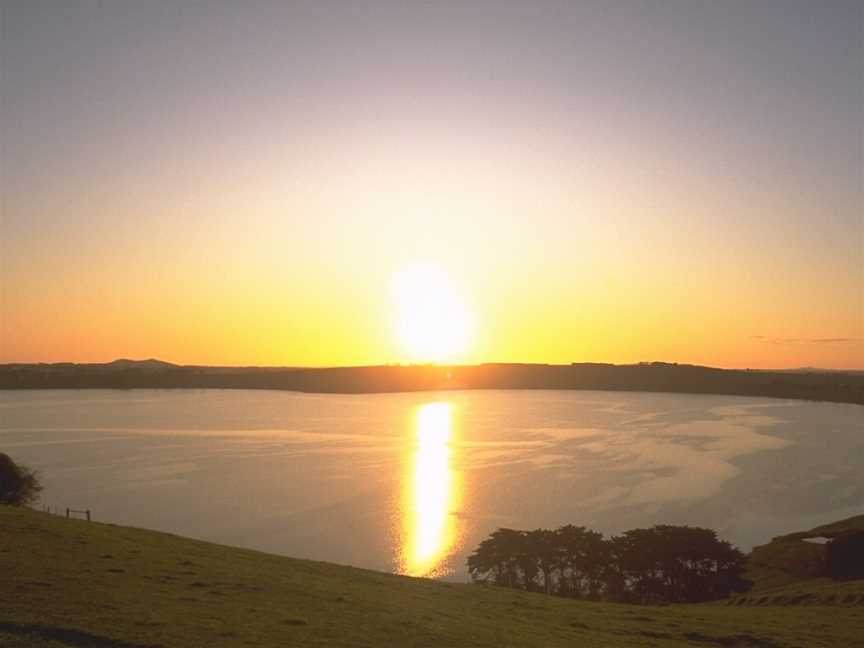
x=438 y=364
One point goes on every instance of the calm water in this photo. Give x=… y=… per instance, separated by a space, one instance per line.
x=413 y=482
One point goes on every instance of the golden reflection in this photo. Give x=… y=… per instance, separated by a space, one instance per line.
x=430 y=529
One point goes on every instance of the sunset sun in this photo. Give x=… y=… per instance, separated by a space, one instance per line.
x=432 y=319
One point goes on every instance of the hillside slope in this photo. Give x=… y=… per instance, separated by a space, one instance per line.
x=789 y=570
x=75 y=583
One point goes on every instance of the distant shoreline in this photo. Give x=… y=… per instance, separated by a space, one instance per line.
x=828 y=386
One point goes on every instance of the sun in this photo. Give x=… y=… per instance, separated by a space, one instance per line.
x=433 y=322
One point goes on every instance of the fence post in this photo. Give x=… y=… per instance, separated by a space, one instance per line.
x=67 y=511
x=88 y=515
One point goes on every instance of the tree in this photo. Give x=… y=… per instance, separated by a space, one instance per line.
x=665 y=563
x=678 y=564
x=500 y=559
x=844 y=556
x=583 y=559
x=634 y=556
x=19 y=486
x=542 y=548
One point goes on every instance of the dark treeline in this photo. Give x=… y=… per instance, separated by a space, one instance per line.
x=663 y=564
x=651 y=377
x=844 y=556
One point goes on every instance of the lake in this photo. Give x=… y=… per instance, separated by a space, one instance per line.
x=412 y=482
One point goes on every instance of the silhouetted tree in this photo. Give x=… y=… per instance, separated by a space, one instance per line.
x=661 y=564
x=19 y=486
x=584 y=561
x=844 y=556
x=541 y=547
x=677 y=564
x=498 y=559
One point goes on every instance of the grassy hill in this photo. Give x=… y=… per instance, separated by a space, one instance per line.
x=785 y=571
x=75 y=583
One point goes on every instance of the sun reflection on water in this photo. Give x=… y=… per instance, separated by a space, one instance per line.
x=430 y=528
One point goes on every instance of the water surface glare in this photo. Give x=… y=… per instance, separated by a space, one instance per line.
x=431 y=527
x=413 y=482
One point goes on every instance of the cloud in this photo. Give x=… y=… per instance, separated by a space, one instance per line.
x=835 y=340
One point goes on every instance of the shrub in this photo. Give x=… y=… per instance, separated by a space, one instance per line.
x=845 y=556
x=19 y=486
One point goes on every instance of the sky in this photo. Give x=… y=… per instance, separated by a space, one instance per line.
x=251 y=183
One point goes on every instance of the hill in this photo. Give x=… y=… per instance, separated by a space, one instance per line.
x=649 y=377
x=75 y=583
x=790 y=569
x=126 y=363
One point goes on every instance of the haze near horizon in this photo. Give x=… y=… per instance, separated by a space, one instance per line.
x=339 y=184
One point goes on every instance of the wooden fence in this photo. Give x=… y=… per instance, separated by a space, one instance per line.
x=79 y=513
x=83 y=514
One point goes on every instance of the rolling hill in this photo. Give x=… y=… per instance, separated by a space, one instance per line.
x=90 y=585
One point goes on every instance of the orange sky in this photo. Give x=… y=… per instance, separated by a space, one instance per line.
x=246 y=191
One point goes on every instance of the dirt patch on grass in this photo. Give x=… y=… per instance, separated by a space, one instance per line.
x=741 y=640
x=68 y=636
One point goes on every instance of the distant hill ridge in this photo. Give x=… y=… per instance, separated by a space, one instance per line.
x=646 y=377
x=148 y=363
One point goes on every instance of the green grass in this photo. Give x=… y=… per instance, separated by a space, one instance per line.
x=811 y=591
x=73 y=583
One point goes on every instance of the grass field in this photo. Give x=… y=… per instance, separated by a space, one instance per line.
x=75 y=583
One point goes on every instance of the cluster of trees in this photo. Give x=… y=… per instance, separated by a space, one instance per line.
x=19 y=486
x=665 y=563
